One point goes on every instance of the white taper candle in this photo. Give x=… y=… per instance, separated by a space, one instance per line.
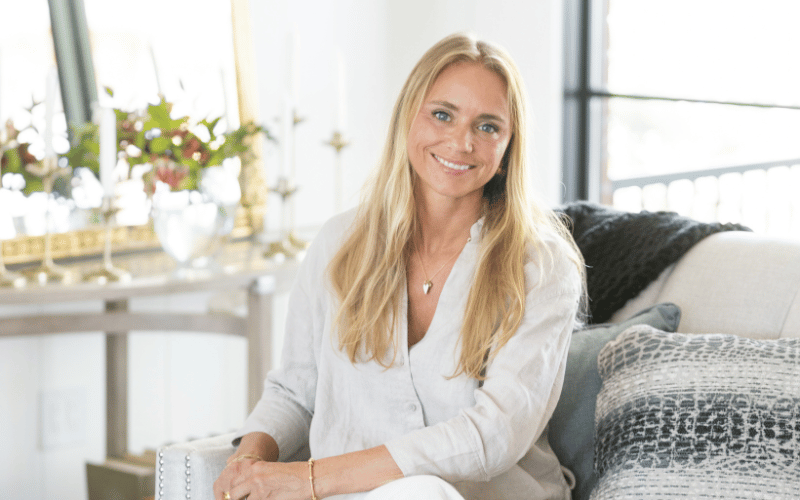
x=341 y=98
x=108 y=151
x=287 y=136
x=49 y=111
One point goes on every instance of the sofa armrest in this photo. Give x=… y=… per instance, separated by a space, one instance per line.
x=188 y=470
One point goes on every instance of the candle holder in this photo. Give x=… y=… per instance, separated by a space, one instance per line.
x=296 y=120
x=338 y=143
x=48 y=271
x=295 y=242
x=108 y=273
x=9 y=279
x=283 y=248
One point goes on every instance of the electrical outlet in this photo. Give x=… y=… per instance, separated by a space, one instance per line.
x=62 y=417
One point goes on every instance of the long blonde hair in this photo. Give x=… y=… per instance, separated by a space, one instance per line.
x=369 y=270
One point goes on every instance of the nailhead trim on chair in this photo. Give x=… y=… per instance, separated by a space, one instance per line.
x=160 y=475
x=188 y=478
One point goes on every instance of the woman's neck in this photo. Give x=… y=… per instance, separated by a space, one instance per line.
x=444 y=224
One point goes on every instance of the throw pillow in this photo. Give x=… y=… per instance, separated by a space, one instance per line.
x=571 y=430
x=698 y=416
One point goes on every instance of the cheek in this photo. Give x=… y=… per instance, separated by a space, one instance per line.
x=414 y=140
x=499 y=151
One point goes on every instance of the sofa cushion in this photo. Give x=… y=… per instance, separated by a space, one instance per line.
x=698 y=416
x=738 y=283
x=571 y=429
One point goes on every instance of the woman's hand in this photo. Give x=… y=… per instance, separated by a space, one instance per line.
x=258 y=480
x=254 y=448
x=233 y=470
x=266 y=479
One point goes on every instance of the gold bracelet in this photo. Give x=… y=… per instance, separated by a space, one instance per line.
x=245 y=457
x=311 y=478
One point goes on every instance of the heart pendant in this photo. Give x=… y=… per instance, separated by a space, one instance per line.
x=426 y=287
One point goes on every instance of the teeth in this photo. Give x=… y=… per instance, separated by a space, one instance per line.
x=454 y=166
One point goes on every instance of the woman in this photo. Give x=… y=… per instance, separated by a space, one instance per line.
x=427 y=331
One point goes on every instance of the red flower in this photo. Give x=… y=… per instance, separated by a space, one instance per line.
x=24 y=155
x=170 y=173
x=191 y=147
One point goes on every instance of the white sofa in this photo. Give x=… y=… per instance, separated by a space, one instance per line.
x=737 y=283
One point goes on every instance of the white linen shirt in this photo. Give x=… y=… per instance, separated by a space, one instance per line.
x=489 y=441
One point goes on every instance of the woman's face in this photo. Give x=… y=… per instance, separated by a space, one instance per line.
x=458 y=138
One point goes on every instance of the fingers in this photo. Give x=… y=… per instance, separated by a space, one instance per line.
x=271 y=480
x=225 y=482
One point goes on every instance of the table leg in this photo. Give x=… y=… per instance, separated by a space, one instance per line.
x=116 y=386
x=259 y=337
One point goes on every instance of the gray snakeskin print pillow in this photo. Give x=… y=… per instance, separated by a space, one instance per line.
x=571 y=430
x=697 y=416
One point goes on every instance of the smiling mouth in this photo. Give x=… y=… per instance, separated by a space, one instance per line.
x=454 y=166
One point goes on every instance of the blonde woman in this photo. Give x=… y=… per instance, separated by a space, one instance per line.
x=427 y=331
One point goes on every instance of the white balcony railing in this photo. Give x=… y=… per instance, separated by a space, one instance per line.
x=764 y=197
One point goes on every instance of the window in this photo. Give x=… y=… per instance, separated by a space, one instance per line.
x=686 y=106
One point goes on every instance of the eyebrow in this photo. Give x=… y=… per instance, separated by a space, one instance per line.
x=482 y=116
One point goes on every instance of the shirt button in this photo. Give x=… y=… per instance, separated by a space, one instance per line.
x=412 y=407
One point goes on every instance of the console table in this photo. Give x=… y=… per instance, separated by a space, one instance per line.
x=241 y=266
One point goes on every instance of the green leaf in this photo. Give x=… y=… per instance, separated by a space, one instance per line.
x=32 y=184
x=139 y=141
x=189 y=182
x=14 y=162
x=159 y=145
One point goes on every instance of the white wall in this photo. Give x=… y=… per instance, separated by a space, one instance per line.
x=380 y=42
x=29 y=369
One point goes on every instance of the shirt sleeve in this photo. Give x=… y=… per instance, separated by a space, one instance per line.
x=512 y=408
x=287 y=402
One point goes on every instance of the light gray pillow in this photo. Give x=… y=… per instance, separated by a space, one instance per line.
x=698 y=417
x=571 y=430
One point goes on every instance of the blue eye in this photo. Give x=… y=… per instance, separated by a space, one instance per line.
x=441 y=116
x=488 y=128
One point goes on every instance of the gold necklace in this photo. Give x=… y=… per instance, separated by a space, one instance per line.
x=428 y=284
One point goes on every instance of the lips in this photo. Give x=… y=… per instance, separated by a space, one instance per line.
x=454 y=166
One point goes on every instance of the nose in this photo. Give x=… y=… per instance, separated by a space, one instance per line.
x=462 y=138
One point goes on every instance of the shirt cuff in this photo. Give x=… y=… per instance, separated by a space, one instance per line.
x=451 y=450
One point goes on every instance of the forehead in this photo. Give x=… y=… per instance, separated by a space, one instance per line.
x=471 y=85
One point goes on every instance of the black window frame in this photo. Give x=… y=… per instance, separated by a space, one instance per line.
x=585 y=103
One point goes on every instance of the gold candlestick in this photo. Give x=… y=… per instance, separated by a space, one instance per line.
x=7 y=278
x=297 y=120
x=108 y=273
x=283 y=248
x=49 y=272
x=338 y=143
x=296 y=243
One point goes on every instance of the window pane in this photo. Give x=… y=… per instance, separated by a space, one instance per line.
x=722 y=50
x=657 y=137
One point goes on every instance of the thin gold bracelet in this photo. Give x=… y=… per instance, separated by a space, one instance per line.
x=245 y=457
x=311 y=478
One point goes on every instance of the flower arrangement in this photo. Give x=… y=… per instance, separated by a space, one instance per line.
x=16 y=158
x=177 y=150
